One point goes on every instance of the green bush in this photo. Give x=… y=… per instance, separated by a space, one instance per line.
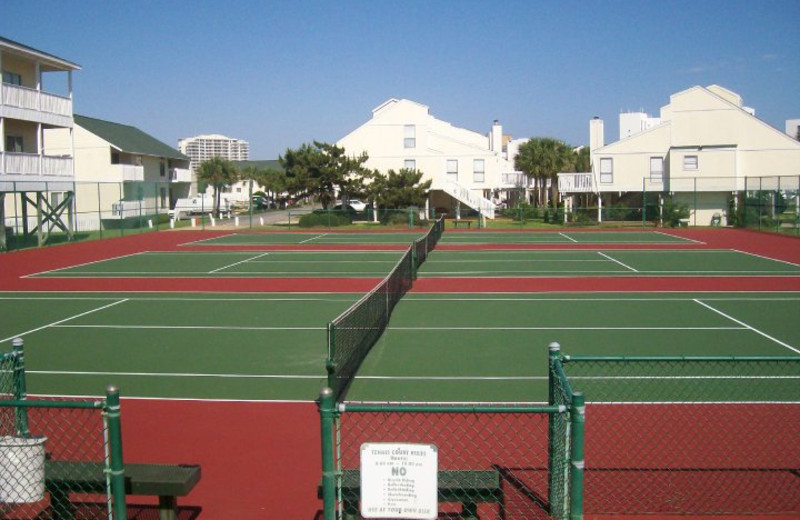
x=674 y=212
x=324 y=219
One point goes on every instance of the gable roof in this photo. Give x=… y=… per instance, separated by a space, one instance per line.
x=264 y=164
x=48 y=60
x=127 y=138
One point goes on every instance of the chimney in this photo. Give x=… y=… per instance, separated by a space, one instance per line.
x=496 y=137
x=596 y=137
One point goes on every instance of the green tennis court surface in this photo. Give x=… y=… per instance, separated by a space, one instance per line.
x=238 y=264
x=376 y=264
x=255 y=239
x=477 y=237
x=563 y=237
x=438 y=347
x=638 y=262
x=484 y=347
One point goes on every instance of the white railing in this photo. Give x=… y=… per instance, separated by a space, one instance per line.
x=517 y=180
x=180 y=175
x=128 y=172
x=128 y=208
x=576 y=183
x=34 y=164
x=483 y=205
x=32 y=99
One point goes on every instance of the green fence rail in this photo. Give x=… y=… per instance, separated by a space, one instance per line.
x=59 y=458
x=690 y=435
x=494 y=460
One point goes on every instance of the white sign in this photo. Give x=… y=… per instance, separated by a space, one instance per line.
x=399 y=480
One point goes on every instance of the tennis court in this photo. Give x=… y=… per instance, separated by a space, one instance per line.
x=213 y=350
x=233 y=264
x=493 y=347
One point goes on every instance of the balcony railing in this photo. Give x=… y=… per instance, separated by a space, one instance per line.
x=576 y=183
x=127 y=173
x=35 y=165
x=180 y=175
x=29 y=99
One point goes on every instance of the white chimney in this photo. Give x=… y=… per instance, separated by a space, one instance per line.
x=496 y=137
x=596 y=137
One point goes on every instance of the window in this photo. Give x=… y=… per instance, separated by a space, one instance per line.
x=163 y=169
x=656 y=169
x=14 y=143
x=478 y=170
x=607 y=170
x=410 y=164
x=114 y=157
x=409 y=136
x=690 y=162
x=12 y=78
x=452 y=169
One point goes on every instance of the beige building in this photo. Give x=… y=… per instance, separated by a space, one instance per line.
x=467 y=169
x=34 y=183
x=706 y=147
x=120 y=172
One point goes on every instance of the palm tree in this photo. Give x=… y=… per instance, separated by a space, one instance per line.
x=543 y=158
x=219 y=173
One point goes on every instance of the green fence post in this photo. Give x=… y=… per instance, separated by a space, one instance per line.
x=327 y=412
x=554 y=351
x=578 y=420
x=410 y=218
x=20 y=389
x=117 y=471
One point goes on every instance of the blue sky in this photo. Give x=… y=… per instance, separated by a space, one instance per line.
x=279 y=74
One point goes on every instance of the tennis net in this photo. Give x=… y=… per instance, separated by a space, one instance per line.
x=356 y=330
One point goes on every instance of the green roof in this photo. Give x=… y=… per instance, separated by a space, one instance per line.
x=273 y=164
x=128 y=139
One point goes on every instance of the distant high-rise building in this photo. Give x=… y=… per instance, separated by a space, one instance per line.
x=204 y=147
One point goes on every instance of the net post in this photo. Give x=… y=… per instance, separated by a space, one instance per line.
x=20 y=388
x=414 y=260
x=117 y=469
x=327 y=412
x=578 y=419
x=554 y=351
x=330 y=363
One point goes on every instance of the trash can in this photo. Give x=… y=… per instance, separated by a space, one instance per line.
x=21 y=469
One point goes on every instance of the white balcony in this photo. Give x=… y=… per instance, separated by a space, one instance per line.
x=180 y=175
x=34 y=105
x=576 y=183
x=35 y=166
x=126 y=173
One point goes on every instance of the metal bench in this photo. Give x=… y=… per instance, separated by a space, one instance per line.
x=469 y=487
x=167 y=481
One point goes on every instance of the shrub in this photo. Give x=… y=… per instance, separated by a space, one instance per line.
x=324 y=219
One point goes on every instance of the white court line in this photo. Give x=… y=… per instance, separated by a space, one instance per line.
x=626 y=266
x=567 y=328
x=175 y=374
x=183 y=327
x=678 y=237
x=239 y=262
x=766 y=257
x=59 y=322
x=743 y=324
x=85 y=263
x=313 y=238
x=568 y=237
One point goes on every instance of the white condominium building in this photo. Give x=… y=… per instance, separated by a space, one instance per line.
x=204 y=147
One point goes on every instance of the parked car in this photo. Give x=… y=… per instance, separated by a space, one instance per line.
x=354 y=203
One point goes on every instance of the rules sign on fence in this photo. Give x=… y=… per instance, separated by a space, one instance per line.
x=399 y=480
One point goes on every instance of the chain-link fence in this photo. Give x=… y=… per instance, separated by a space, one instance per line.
x=768 y=203
x=706 y=435
x=59 y=458
x=492 y=460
